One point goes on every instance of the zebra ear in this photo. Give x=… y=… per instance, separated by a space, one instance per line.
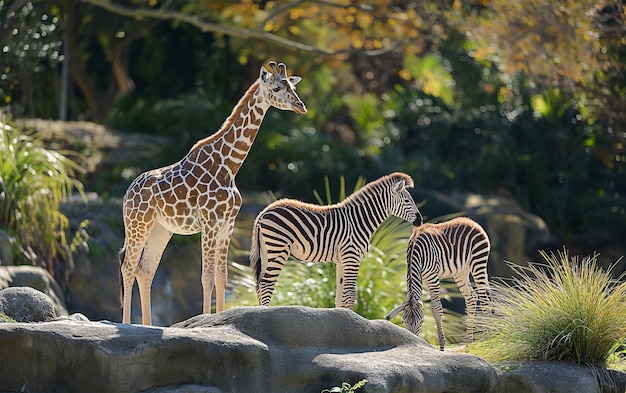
x=399 y=186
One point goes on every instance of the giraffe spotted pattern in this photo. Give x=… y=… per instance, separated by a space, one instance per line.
x=198 y=194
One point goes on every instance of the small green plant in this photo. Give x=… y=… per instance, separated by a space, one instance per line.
x=346 y=387
x=565 y=310
x=6 y=318
x=508 y=368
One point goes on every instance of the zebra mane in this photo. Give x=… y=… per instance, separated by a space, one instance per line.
x=357 y=196
x=384 y=182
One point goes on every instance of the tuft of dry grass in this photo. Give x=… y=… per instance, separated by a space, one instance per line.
x=563 y=310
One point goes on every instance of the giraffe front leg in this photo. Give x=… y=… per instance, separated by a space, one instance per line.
x=209 y=242
x=221 y=259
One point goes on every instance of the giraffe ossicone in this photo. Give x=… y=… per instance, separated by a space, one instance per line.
x=198 y=194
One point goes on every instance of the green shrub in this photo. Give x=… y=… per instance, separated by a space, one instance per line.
x=565 y=310
x=33 y=183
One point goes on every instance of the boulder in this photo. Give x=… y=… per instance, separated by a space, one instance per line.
x=25 y=304
x=262 y=349
x=37 y=278
x=248 y=349
x=557 y=377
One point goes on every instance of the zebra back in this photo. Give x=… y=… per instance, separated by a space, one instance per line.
x=449 y=247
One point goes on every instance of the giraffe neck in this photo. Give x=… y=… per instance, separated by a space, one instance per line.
x=231 y=144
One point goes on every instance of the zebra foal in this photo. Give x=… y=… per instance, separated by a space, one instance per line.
x=337 y=233
x=455 y=248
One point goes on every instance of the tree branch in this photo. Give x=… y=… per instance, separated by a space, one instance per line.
x=206 y=26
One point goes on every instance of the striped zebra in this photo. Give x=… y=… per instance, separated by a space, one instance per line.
x=337 y=233
x=455 y=248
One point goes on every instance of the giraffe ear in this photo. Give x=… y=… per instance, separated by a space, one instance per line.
x=264 y=74
x=295 y=79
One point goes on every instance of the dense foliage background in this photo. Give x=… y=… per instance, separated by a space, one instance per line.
x=525 y=100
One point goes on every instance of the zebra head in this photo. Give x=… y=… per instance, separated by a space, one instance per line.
x=413 y=316
x=402 y=203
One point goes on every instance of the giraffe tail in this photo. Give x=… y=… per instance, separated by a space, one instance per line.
x=121 y=255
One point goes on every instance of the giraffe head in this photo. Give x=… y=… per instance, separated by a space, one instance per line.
x=280 y=89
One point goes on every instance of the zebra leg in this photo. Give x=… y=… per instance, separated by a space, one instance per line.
x=482 y=285
x=339 y=286
x=349 y=270
x=435 y=304
x=470 y=304
x=268 y=277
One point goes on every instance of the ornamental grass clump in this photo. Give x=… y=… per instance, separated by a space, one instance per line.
x=34 y=181
x=564 y=310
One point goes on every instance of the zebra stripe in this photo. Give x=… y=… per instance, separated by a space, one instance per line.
x=456 y=248
x=337 y=233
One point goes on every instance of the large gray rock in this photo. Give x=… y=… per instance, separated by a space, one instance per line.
x=252 y=349
x=261 y=349
x=558 y=377
x=37 y=278
x=25 y=304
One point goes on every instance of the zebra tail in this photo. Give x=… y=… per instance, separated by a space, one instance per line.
x=255 y=254
x=121 y=256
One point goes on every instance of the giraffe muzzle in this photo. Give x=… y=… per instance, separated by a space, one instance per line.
x=299 y=108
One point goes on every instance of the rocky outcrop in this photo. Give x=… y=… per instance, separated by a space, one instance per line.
x=259 y=349
x=251 y=349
